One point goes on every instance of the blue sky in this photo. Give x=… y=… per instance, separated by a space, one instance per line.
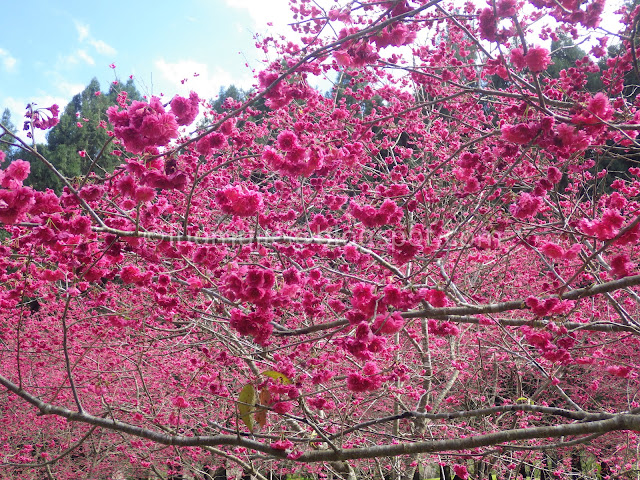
x=50 y=50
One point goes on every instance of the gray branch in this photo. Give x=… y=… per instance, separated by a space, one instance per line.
x=618 y=422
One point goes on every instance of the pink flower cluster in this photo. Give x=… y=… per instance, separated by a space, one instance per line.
x=15 y=203
x=239 y=200
x=555 y=251
x=622 y=266
x=128 y=188
x=442 y=329
x=618 y=371
x=488 y=21
x=356 y=55
x=364 y=298
x=604 y=229
x=394 y=35
x=213 y=141
x=521 y=133
x=256 y=324
x=527 y=206
x=486 y=241
x=185 y=109
x=283 y=444
x=548 y=306
x=340 y=15
x=143 y=125
x=255 y=286
x=367 y=303
x=403 y=250
x=388 y=214
x=461 y=471
x=543 y=342
x=571 y=12
x=572 y=139
x=388 y=323
x=364 y=344
x=180 y=402
x=598 y=109
x=281 y=93
x=297 y=160
x=287 y=141
x=436 y=298
x=15 y=174
x=41 y=120
x=320 y=223
x=16 y=200
x=506 y=8
x=140 y=185
x=537 y=59
x=562 y=140
x=367 y=381
x=132 y=274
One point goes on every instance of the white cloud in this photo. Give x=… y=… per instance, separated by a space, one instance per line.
x=179 y=78
x=8 y=61
x=68 y=89
x=102 y=47
x=79 y=56
x=185 y=75
x=84 y=35
x=262 y=13
x=67 y=60
x=83 y=31
x=270 y=18
x=83 y=55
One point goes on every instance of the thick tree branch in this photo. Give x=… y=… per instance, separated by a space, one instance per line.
x=575 y=294
x=618 y=422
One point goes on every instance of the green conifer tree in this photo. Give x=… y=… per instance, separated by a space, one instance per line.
x=80 y=130
x=6 y=121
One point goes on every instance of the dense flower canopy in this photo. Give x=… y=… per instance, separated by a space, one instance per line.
x=431 y=265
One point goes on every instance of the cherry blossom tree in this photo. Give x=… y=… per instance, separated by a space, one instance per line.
x=445 y=277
